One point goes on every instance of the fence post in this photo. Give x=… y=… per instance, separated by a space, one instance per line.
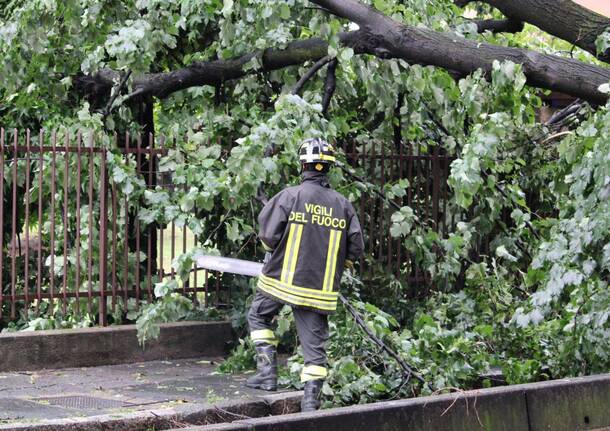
x=103 y=239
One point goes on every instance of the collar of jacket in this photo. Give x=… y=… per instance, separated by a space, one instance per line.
x=319 y=178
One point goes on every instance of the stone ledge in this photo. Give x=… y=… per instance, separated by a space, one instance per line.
x=67 y=348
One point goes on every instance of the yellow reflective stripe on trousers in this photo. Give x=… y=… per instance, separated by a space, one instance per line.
x=313 y=372
x=334 y=244
x=264 y=336
x=291 y=254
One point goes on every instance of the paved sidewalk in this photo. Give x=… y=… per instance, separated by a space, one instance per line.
x=117 y=390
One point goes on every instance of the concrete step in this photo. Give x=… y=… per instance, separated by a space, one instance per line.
x=561 y=405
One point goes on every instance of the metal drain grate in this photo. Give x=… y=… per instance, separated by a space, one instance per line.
x=83 y=402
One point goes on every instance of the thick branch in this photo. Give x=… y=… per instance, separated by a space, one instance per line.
x=559 y=118
x=216 y=72
x=499 y=25
x=311 y=72
x=565 y=19
x=329 y=85
x=380 y=36
x=388 y=38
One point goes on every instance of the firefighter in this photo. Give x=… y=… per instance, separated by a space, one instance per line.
x=311 y=233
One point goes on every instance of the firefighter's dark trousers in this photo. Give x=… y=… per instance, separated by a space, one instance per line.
x=312 y=329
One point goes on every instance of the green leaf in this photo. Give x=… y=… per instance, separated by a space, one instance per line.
x=227 y=8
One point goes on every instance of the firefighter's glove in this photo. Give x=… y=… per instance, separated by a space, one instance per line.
x=349 y=264
x=267 y=257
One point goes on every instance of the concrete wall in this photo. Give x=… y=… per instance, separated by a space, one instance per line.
x=561 y=405
x=21 y=351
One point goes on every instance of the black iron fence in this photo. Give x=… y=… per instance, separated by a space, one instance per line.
x=71 y=238
x=426 y=169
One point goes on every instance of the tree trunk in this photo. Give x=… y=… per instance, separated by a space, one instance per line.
x=562 y=18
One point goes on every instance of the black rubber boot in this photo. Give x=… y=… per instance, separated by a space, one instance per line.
x=266 y=368
x=311 y=395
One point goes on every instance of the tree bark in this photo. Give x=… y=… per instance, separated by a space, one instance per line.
x=562 y=18
x=380 y=36
x=387 y=38
x=330 y=84
x=499 y=25
x=213 y=72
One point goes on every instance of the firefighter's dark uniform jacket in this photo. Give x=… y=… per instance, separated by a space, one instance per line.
x=310 y=230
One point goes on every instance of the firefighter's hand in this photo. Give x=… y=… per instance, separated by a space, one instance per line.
x=267 y=257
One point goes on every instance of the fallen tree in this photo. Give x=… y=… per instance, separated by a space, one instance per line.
x=381 y=36
x=562 y=18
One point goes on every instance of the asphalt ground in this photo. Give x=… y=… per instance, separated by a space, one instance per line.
x=39 y=396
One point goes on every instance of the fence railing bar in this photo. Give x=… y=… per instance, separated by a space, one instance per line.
x=206 y=283
x=65 y=225
x=382 y=203
x=392 y=169
x=79 y=143
x=103 y=248
x=115 y=237
x=137 y=222
x=356 y=158
x=173 y=248
x=2 y=142
x=39 y=260
x=371 y=205
x=126 y=221
x=160 y=260
x=26 y=263
x=53 y=219
x=14 y=231
x=217 y=289
x=196 y=269
x=150 y=227
x=90 y=239
x=436 y=178
x=399 y=246
x=411 y=269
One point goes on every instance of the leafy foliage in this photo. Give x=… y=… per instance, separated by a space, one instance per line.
x=519 y=280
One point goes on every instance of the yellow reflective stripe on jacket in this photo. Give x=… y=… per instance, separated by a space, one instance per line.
x=300 y=291
x=334 y=244
x=313 y=372
x=297 y=300
x=291 y=255
x=295 y=258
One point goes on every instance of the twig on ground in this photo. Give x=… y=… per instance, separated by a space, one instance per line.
x=409 y=371
x=237 y=415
